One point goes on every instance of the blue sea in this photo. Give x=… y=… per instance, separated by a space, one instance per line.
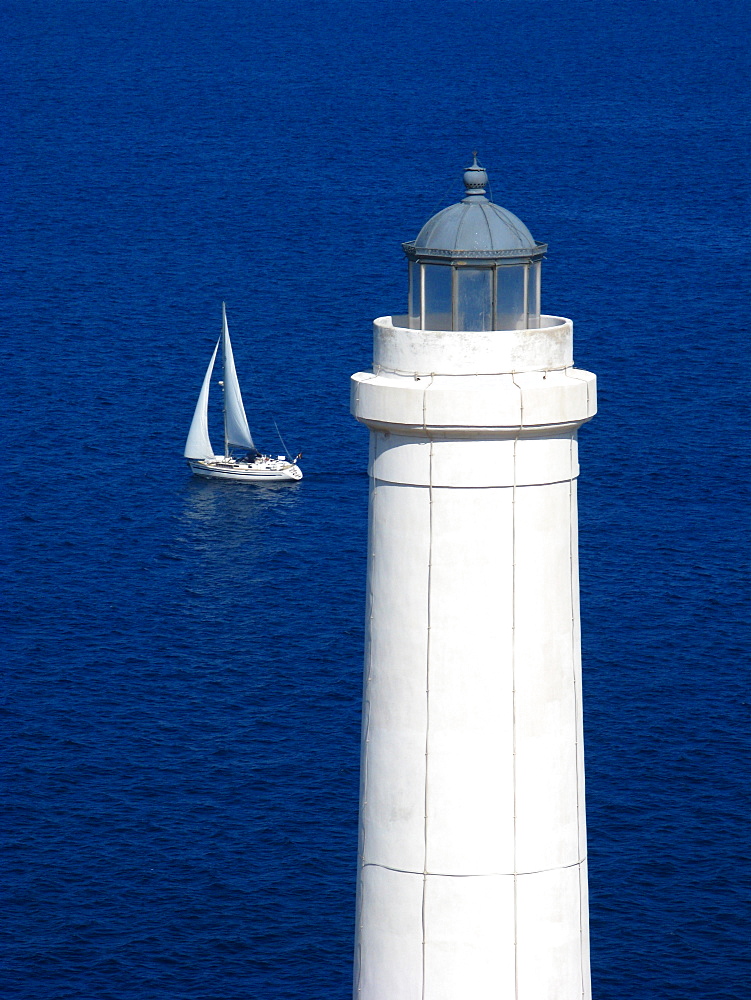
x=182 y=671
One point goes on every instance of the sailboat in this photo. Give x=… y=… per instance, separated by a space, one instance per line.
x=254 y=467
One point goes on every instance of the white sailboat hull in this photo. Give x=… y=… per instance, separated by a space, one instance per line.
x=260 y=471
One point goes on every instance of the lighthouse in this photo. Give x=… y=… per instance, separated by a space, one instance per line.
x=472 y=878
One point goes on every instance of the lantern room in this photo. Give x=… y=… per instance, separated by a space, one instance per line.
x=474 y=266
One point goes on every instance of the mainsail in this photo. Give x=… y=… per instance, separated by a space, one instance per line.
x=236 y=430
x=198 y=444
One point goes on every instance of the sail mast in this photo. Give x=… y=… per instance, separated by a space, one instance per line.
x=225 y=335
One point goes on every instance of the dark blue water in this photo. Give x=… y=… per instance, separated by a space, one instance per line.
x=182 y=680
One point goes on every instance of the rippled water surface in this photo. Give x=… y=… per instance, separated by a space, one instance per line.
x=182 y=682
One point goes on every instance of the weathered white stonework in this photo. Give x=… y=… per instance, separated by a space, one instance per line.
x=472 y=827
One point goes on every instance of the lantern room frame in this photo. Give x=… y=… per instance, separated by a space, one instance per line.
x=474 y=289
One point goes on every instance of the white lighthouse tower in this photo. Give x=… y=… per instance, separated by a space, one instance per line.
x=472 y=871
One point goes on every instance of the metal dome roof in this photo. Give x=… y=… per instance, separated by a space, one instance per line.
x=474 y=227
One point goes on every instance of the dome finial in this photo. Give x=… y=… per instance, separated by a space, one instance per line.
x=475 y=179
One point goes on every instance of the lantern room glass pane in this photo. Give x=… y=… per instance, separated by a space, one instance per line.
x=533 y=295
x=474 y=298
x=413 y=306
x=438 y=313
x=510 y=313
